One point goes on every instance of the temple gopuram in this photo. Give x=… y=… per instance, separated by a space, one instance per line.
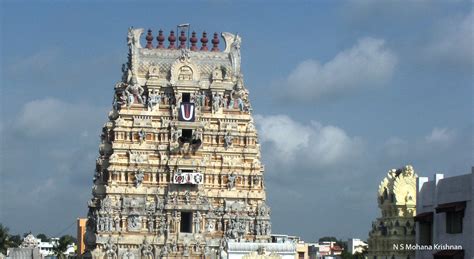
x=179 y=172
x=396 y=227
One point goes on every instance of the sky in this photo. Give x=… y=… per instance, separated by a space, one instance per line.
x=342 y=92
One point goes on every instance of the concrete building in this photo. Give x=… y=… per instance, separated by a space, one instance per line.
x=395 y=227
x=320 y=250
x=355 y=245
x=445 y=215
x=81 y=231
x=33 y=247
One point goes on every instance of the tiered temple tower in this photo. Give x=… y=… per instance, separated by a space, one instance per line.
x=179 y=171
x=396 y=227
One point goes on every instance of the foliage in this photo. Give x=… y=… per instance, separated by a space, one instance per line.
x=4 y=239
x=7 y=240
x=61 y=246
x=16 y=240
x=43 y=237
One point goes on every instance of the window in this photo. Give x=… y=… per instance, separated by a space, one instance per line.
x=186 y=97
x=186 y=222
x=425 y=233
x=186 y=135
x=454 y=215
x=300 y=255
x=454 y=221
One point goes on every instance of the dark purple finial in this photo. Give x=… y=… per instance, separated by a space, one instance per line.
x=149 y=39
x=172 y=40
x=193 y=40
x=182 y=40
x=160 y=39
x=204 y=41
x=215 y=43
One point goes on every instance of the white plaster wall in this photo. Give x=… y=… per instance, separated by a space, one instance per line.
x=237 y=255
x=451 y=189
x=454 y=189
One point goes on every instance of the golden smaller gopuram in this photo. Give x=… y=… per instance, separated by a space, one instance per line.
x=396 y=227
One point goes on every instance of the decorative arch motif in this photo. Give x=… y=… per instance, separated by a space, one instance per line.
x=183 y=69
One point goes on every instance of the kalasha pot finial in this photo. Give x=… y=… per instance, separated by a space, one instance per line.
x=193 y=40
x=160 y=40
x=149 y=39
x=172 y=40
x=182 y=40
x=215 y=42
x=204 y=41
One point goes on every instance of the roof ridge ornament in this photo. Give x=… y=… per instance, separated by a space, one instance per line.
x=232 y=46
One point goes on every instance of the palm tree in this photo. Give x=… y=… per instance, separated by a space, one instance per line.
x=5 y=242
x=61 y=246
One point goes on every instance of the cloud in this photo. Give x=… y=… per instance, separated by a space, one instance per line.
x=38 y=62
x=50 y=148
x=453 y=41
x=440 y=136
x=49 y=117
x=434 y=144
x=369 y=63
x=320 y=145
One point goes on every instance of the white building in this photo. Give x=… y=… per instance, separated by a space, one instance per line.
x=46 y=248
x=444 y=221
x=251 y=250
x=355 y=245
x=33 y=247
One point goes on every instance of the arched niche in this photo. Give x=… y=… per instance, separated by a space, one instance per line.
x=183 y=71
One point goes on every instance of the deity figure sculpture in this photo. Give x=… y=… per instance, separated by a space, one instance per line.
x=139 y=175
x=201 y=98
x=147 y=250
x=110 y=249
x=216 y=99
x=209 y=226
x=231 y=102
x=134 y=92
x=118 y=101
x=117 y=223
x=128 y=254
x=187 y=197
x=150 y=224
x=240 y=102
x=228 y=140
x=165 y=250
x=141 y=136
x=154 y=100
x=197 y=222
x=231 y=181
x=134 y=223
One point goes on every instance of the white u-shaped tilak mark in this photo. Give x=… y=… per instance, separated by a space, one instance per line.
x=184 y=114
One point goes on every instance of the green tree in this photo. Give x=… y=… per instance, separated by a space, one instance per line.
x=43 y=237
x=4 y=239
x=16 y=240
x=345 y=252
x=61 y=246
x=7 y=240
